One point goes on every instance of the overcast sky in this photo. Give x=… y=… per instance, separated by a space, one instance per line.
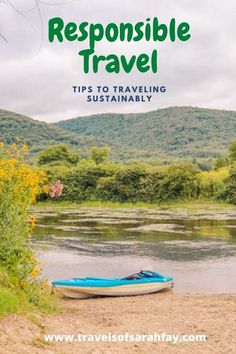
x=36 y=76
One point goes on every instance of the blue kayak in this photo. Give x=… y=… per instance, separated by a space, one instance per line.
x=144 y=282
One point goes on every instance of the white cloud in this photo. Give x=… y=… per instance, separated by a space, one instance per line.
x=199 y=72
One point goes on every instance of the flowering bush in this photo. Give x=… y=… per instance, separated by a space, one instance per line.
x=19 y=186
x=212 y=183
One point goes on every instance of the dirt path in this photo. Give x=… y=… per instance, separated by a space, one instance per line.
x=212 y=315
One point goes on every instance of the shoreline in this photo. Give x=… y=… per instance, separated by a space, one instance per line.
x=190 y=205
x=172 y=313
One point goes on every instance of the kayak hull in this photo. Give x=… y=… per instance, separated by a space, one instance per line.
x=144 y=282
x=78 y=292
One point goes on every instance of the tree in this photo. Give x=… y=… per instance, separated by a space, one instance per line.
x=223 y=161
x=228 y=193
x=99 y=154
x=232 y=150
x=58 y=153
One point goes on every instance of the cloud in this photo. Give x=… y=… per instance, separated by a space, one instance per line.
x=37 y=76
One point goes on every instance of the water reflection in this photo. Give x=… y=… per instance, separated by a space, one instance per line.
x=79 y=242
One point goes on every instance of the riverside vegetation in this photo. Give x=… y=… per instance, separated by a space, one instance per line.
x=95 y=178
x=20 y=288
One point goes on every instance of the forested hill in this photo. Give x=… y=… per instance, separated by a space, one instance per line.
x=38 y=135
x=182 y=132
x=176 y=131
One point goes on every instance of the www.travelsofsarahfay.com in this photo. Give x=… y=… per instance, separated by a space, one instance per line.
x=118 y=93
x=126 y=337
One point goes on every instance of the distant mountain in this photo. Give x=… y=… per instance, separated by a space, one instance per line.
x=170 y=133
x=175 y=132
x=38 y=135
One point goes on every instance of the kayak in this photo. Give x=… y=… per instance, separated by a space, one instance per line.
x=144 y=282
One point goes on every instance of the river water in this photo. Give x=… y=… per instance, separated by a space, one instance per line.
x=198 y=251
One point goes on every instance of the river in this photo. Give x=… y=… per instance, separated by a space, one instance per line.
x=198 y=251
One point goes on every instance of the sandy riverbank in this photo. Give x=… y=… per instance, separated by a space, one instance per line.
x=212 y=315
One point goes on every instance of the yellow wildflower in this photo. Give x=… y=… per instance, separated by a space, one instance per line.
x=32 y=221
x=35 y=272
x=25 y=148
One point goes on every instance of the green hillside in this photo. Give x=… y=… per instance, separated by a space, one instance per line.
x=38 y=135
x=174 y=132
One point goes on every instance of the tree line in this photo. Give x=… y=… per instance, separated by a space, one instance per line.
x=95 y=178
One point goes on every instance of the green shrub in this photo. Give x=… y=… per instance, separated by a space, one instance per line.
x=124 y=186
x=19 y=186
x=170 y=183
x=58 y=153
x=228 y=192
x=81 y=182
x=136 y=183
x=9 y=301
x=212 y=183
